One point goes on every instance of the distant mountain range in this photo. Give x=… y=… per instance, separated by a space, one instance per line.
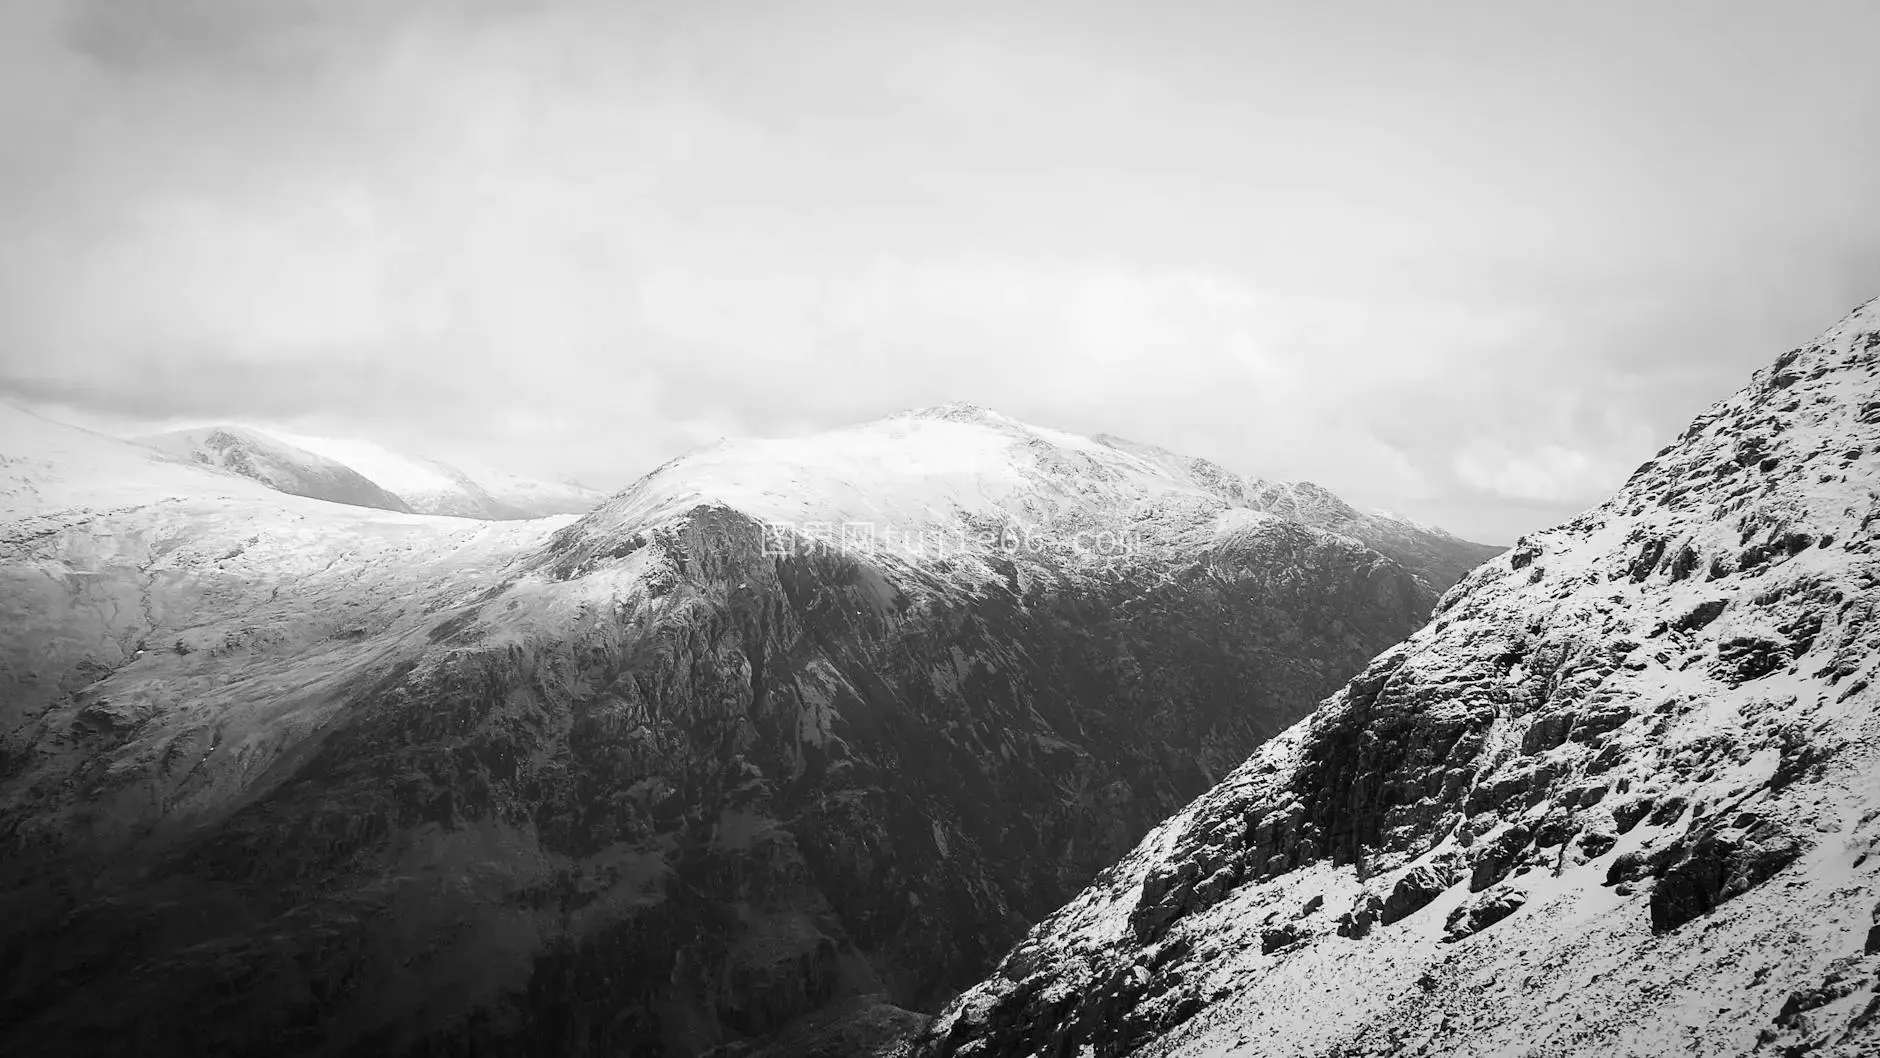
x=787 y=729
x=366 y=475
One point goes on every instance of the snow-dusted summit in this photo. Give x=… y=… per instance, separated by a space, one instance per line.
x=926 y=482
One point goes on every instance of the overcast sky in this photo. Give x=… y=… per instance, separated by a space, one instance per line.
x=1469 y=261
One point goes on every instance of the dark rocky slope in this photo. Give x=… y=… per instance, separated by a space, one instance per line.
x=654 y=784
x=1621 y=797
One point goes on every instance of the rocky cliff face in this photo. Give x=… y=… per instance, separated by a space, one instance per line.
x=663 y=779
x=1620 y=797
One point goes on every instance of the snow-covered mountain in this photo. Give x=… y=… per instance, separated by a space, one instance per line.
x=46 y=467
x=276 y=464
x=115 y=555
x=914 y=480
x=368 y=475
x=1621 y=797
x=788 y=728
x=465 y=490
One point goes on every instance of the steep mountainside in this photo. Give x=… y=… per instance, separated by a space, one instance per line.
x=787 y=728
x=276 y=464
x=1439 y=556
x=1622 y=797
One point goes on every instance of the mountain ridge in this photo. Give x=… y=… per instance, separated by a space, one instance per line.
x=388 y=481
x=1442 y=554
x=1617 y=797
x=946 y=446
x=276 y=464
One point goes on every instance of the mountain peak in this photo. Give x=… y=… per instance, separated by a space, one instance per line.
x=959 y=411
x=935 y=470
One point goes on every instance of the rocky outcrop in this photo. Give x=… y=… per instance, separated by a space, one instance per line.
x=864 y=1027
x=1600 y=804
x=1476 y=915
x=1715 y=863
x=1414 y=889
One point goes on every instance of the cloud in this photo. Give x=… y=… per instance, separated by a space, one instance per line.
x=1549 y=472
x=1474 y=276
